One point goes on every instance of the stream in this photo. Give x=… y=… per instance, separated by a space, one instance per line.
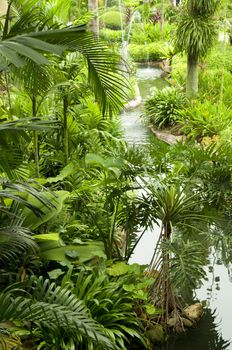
x=214 y=331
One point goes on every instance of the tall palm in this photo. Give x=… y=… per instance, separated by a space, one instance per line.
x=195 y=35
x=24 y=51
x=21 y=42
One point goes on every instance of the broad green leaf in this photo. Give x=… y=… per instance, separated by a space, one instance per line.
x=118 y=269
x=57 y=198
x=54 y=274
x=79 y=253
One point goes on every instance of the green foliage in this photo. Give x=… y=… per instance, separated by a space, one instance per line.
x=146 y=33
x=111 y=19
x=204 y=119
x=196 y=28
x=149 y=52
x=112 y=300
x=111 y=35
x=164 y=107
x=190 y=30
x=187 y=261
x=57 y=313
x=202 y=7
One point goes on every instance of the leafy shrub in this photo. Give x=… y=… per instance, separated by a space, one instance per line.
x=111 y=35
x=205 y=119
x=148 y=33
x=210 y=84
x=164 y=106
x=143 y=53
x=111 y=19
x=220 y=56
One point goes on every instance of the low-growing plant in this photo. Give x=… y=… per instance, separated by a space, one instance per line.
x=111 y=35
x=204 y=119
x=111 y=19
x=144 y=53
x=164 y=107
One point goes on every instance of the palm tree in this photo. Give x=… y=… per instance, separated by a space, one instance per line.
x=23 y=44
x=27 y=39
x=195 y=35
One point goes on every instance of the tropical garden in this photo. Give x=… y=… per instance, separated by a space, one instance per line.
x=77 y=199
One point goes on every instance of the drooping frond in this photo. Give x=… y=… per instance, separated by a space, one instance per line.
x=195 y=35
x=16 y=191
x=14 y=242
x=203 y=7
x=187 y=261
x=55 y=310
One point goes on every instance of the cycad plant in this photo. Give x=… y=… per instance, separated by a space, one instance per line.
x=195 y=34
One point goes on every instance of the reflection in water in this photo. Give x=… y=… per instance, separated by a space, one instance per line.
x=206 y=336
x=214 y=330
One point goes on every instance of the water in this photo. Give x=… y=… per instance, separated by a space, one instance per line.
x=133 y=126
x=214 y=331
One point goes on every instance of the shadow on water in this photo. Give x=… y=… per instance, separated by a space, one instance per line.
x=206 y=336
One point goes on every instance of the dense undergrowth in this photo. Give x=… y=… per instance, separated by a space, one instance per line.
x=76 y=199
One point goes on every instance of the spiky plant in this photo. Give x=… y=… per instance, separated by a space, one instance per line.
x=174 y=208
x=52 y=313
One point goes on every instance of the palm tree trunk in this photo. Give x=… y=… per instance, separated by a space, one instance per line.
x=192 y=77
x=94 y=24
x=35 y=137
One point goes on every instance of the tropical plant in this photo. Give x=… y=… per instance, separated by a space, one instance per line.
x=113 y=295
x=174 y=207
x=51 y=314
x=111 y=19
x=164 y=107
x=195 y=34
x=151 y=52
x=19 y=45
x=204 y=119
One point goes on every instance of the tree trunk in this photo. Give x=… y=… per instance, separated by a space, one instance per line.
x=94 y=24
x=192 y=78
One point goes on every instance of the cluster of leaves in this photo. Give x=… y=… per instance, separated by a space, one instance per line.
x=164 y=107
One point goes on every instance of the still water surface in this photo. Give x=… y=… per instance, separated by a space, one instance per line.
x=214 y=331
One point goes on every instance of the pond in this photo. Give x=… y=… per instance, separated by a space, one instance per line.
x=214 y=331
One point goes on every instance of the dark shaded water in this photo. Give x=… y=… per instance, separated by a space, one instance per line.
x=214 y=331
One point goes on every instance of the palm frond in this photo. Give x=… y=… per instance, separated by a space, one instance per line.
x=14 y=242
x=18 y=191
x=54 y=310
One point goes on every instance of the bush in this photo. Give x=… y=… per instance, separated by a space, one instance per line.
x=163 y=108
x=111 y=19
x=205 y=119
x=148 y=33
x=144 y=53
x=111 y=35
